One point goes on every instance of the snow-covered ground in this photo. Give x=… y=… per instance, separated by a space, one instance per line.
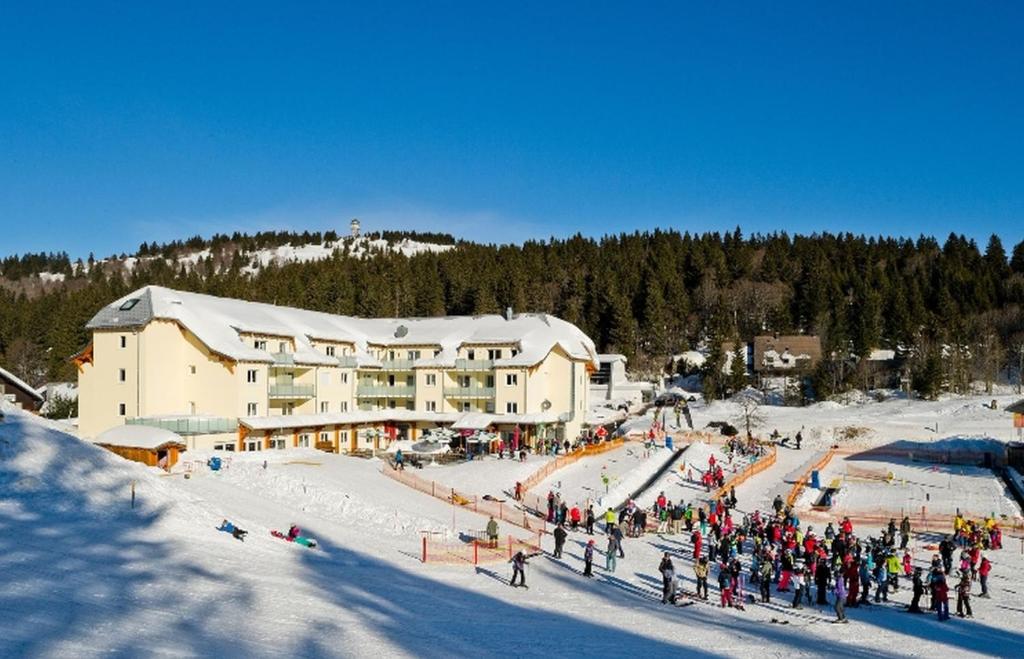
x=486 y=475
x=84 y=574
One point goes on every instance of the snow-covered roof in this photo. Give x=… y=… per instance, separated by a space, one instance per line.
x=482 y=420
x=219 y=322
x=611 y=357
x=138 y=436
x=882 y=355
x=20 y=384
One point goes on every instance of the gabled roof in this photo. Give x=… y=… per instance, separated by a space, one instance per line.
x=218 y=323
x=15 y=381
x=1016 y=408
x=139 y=436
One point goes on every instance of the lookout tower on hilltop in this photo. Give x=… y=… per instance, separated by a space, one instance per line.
x=354 y=227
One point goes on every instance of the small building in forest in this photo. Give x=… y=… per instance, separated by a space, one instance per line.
x=156 y=447
x=776 y=354
x=16 y=391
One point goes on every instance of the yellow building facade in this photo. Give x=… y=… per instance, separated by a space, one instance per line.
x=235 y=375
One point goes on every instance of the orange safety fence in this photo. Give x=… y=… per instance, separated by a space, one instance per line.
x=754 y=468
x=505 y=511
x=554 y=465
x=474 y=551
x=801 y=483
x=920 y=519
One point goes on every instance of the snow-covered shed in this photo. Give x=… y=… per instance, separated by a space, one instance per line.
x=156 y=447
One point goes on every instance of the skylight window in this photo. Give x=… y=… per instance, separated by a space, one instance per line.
x=129 y=304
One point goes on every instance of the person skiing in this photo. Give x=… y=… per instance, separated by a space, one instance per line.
x=840 y=593
x=588 y=559
x=518 y=569
x=560 y=535
x=294 y=531
x=668 y=580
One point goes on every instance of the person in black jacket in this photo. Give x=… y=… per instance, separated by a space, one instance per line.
x=560 y=535
x=821 y=577
x=518 y=569
x=915 y=603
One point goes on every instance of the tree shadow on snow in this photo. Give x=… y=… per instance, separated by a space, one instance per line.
x=81 y=573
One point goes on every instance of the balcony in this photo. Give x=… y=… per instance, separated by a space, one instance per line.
x=397 y=364
x=283 y=358
x=469 y=392
x=292 y=391
x=384 y=391
x=347 y=361
x=474 y=364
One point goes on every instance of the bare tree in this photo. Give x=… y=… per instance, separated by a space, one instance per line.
x=749 y=401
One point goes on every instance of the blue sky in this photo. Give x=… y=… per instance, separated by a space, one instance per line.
x=498 y=121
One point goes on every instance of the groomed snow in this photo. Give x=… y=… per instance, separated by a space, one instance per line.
x=85 y=574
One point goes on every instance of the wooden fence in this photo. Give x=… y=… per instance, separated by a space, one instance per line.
x=754 y=468
x=475 y=551
x=801 y=483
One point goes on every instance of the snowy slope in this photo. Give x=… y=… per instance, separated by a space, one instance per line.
x=85 y=575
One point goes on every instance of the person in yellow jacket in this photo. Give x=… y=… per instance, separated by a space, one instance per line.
x=609 y=520
x=893 y=567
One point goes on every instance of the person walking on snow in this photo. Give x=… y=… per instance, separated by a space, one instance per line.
x=590 y=520
x=840 y=593
x=963 y=596
x=915 y=602
x=609 y=557
x=560 y=535
x=983 y=570
x=700 y=570
x=492 y=532
x=518 y=569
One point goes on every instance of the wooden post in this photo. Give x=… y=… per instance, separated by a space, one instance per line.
x=476 y=552
x=133 y=495
x=424 y=548
x=510 y=548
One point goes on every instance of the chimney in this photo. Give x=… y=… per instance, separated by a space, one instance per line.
x=508 y=313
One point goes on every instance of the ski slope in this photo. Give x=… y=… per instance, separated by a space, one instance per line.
x=85 y=574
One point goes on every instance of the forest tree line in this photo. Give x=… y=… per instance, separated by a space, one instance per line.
x=952 y=310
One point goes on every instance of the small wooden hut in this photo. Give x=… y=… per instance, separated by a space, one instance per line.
x=156 y=447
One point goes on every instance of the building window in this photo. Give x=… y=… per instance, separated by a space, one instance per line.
x=224 y=447
x=191 y=407
x=304 y=440
x=490 y=381
x=278 y=444
x=511 y=379
x=409 y=405
x=489 y=407
x=252 y=409
x=344 y=406
x=391 y=405
x=128 y=305
x=122 y=409
x=330 y=351
x=465 y=406
x=344 y=378
x=431 y=406
x=324 y=405
x=512 y=408
x=470 y=354
x=289 y=409
x=464 y=381
x=431 y=379
x=414 y=354
x=282 y=346
x=515 y=351
x=259 y=344
x=252 y=445
x=391 y=355
x=410 y=380
x=250 y=376
x=122 y=375
x=494 y=354
x=192 y=369
x=124 y=341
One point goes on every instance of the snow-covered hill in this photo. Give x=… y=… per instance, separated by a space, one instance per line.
x=84 y=574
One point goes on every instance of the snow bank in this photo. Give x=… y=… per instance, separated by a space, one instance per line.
x=636 y=477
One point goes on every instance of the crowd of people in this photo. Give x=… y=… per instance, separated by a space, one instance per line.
x=772 y=554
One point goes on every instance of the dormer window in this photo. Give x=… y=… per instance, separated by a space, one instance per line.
x=330 y=351
x=128 y=305
x=259 y=344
